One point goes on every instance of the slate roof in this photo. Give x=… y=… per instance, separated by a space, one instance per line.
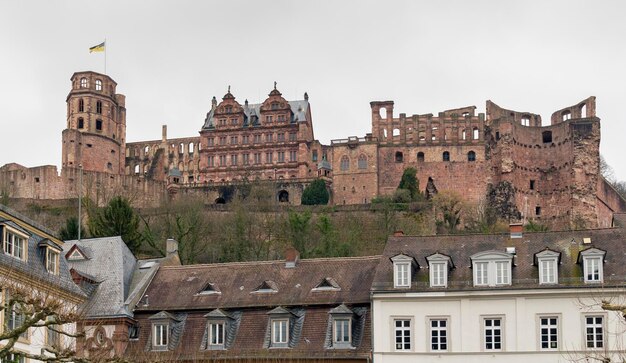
x=177 y=287
x=299 y=110
x=34 y=266
x=111 y=264
x=524 y=272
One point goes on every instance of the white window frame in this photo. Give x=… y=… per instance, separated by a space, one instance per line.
x=593 y=258
x=340 y=325
x=548 y=271
x=492 y=268
x=216 y=333
x=553 y=338
x=52 y=261
x=160 y=335
x=438 y=267
x=15 y=244
x=280 y=326
x=492 y=329
x=439 y=329
x=597 y=344
x=403 y=332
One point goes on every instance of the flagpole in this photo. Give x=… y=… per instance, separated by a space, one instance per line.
x=105 y=56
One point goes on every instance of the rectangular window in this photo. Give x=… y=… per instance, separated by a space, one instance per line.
x=53 y=336
x=246 y=159
x=160 y=335
x=502 y=273
x=13 y=358
x=594 y=331
x=269 y=138
x=216 y=334
x=532 y=185
x=547 y=271
x=52 y=261
x=280 y=331
x=314 y=155
x=99 y=125
x=268 y=119
x=438 y=274
x=402 y=333
x=401 y=271
x=548 y=332
x=293 y=155
x=257 y=158
x=14 y=245
x=257 y=138
x=493 y=333
x=233 y=140
x=233 y=159
x=481 y=273
x=592 y=269
x=292 y=137
x=211 y=160
x=268 y=158
x=439 y=334
x=210 y=141
x=341 y=331
x=281 y=156
x=222 y=160
x=281 y=137
x=246 y=139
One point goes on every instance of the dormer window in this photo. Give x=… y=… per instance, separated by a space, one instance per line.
x=280 y=333
x=402 y=270
x=592 y=260
x=266 y=286
x=342 y=320
x=14 y=244
x=75 y=254
x=209 y=289
x=166 y=330
x=547 y=261
x=160 y=335
x=492 y=268
x=438 y=266
x=327 y=284
x=52 y=261
x=217 y=330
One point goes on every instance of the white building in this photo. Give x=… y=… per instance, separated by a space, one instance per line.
x=512 y=297
x=31 y=266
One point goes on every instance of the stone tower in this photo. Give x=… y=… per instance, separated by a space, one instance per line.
x=96 y=125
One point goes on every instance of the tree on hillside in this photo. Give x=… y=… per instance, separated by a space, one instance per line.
x=409 y=182
x=315 y=193
x=299 y=226
x=117 y=219
x=448 y=207
x=70 y=230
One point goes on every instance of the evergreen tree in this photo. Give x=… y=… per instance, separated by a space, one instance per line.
x=409 y=182
x=70 y=231
x=117 y=219
x=316 y=193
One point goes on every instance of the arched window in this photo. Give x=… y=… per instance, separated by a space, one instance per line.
x=583 y=110
x=190 y=147
x=109 y=166
x=99 y=107
x=463 y=135
x=98 y=85
x=475 y=133
x=420 y=157
x=345 y=163
x=84 y=83
x=145 y=169
x=146 y=150
x=399 y=157
x=81 y=105
x=362 y=161
x=181 y=148
x=566 y=115
x=137 y=169
x=525 y=120
x=471 y=156
x=446 y=156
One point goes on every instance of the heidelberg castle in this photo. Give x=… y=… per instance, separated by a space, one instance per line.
x=554 y=169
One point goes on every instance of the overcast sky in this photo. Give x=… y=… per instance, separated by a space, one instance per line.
x=170 y=57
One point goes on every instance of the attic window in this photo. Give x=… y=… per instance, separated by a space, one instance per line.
x=209 y=289
x=75 y=254
x=439 y=265
x=267 y=286
x=327 y=283
x=402 y=270
x=592 y=260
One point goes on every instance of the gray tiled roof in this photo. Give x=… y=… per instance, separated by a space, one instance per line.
x=299 y=110
x=112 y=264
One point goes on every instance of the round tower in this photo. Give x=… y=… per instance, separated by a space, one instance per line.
x=96 y=125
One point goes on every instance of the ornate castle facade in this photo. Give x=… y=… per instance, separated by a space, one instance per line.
x=553 y=170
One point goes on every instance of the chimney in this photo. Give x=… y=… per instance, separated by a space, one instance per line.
x=516 y=230
x=398 y=233
x=291 y=257
x=164 y=133
x=171 y=247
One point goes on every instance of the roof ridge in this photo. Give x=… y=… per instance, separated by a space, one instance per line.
x=245 y=263
x=507 y=233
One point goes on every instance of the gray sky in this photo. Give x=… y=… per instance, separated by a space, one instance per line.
x=170 y=57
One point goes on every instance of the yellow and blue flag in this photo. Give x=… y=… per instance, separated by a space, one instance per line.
x=97 y=48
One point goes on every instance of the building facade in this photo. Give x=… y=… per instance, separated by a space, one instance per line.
x=552 y=171
x=517 y=297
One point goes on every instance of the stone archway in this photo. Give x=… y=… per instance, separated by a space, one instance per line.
x=283 y=196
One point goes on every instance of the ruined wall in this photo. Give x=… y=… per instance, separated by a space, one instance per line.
x=355 y=170
x=609 y=202
x=285 y=192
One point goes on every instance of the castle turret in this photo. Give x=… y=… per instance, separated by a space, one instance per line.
x=96 y=124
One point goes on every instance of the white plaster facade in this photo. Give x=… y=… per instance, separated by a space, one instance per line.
x=520 y=312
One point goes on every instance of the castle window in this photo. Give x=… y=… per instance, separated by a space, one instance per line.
x=81 y=105
x=583 y=111
x=268 y=119
x=525 y=120
x=81 y=123
x=281 y=156
x=292 y=136
x=362 y=162
x=446 y=156
x=98 y=85
x=546 y=136
x=566 y=115
x=532 y=185
x=99 y=125
x=109 y=166
x=84 y=83
x=274 y=105
x=281 y=137
x=136 y=170
x=537 y=210
x=420 y=157
x=345 y=163
x=396 y=132
x=464 y=135
x=471 y=156
x=314 y=155
x=268 y=157
x=293 y=155
x=99 y=107
x=475 y=133
x=399 y=157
